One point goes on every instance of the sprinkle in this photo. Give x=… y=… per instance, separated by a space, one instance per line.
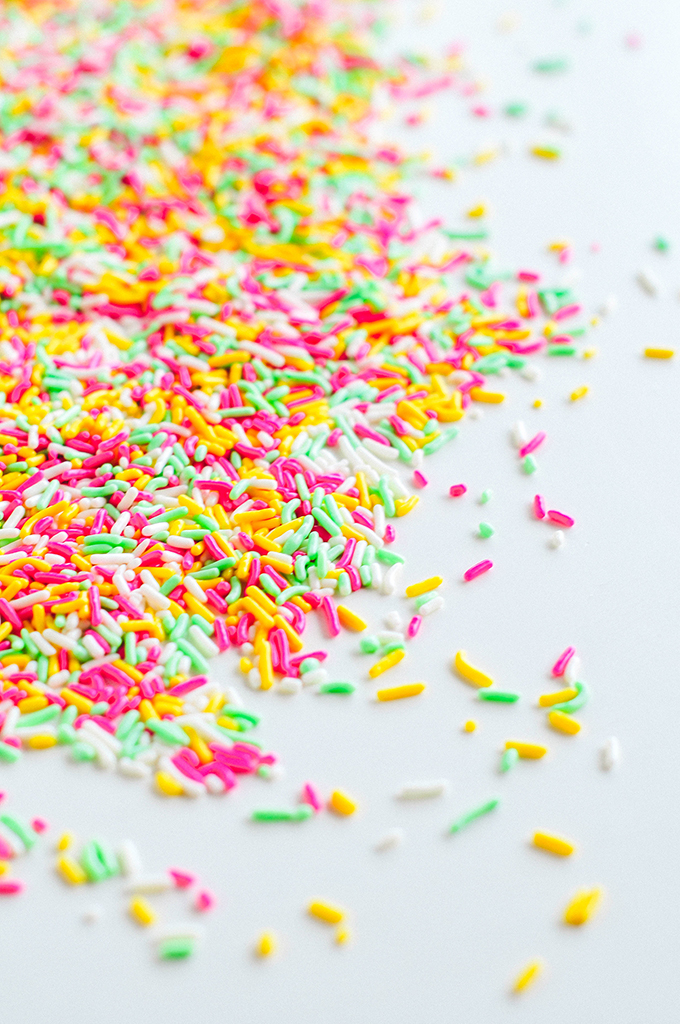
x=301 y=813
x=509 y=758
x=527 y=976
x=610 y=754
x=546 y=152
x=341 y=803
x=553 y=844
x=478 y=812
x=431 y=583
x=560 y=665
x=399 y=692
x=477 y=570
x=422 y=790
x=326 y=912
x=469 y=672
x=470 y=725
x=419 y=480
x=546 y=700
x=531 y=751
x=389 y=661
x=582 y=907
x=539 y=507
x=266 y=944
x=456 y=490
x=529 y=464
x=563 y=723
x=659 y=353
x=486 y=530
x=649 y=283
x=391 y=839
x=498 y=696
x=560 y=518
x=485 y=496
x=176 y=948
x=579 y=393
x=142 y=911
x=557 y=540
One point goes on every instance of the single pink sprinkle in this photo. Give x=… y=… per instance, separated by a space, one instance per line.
x=539 y=508
x=182 y=879
x=390 y=534
x=414 y=625
x=204 y=900
x=12 y=741
x=455 y=490
x=11 y=888
x=476 y=570
x=481 y=111
x=334 y=437
x=566 y=311
x=633 y=40
x=2 y=796
x=528 y=275
x=560 y=518
x=418 y=479
x=563 y=660
x=39 y=825
x=533 y=444
x=311 y=797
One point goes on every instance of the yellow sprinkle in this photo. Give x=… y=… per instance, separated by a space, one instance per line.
x=342 y=935
x=416 y=589
x=477 y=211
x=326 y=912
x=490 y=397
x=537 y=403
x=546 y=700
x=470 y=726
x=397 y=692
x=42 y=742
x=553 y=844
x=579 y=393
x=564 y=723
x=528 y=976
x=582 y=906
x=71 y=870
x=532 y=751
x=4 y=867
x=389 y=661
x=659 y=353
x=29 y=704
x=168 y=785
x=142 y=911
x=350 y=620
x=266 y=944
x=341 y=803
x=65 y=840
x=469 y=672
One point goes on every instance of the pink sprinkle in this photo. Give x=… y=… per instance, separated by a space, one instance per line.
x=12 y=741
x=533 y=444
x=539 y=508
x=418 y=479
x=11 y=888
x=566 y=311
x=390 y=534
x=457 y=489
x=332 y=620
x=560 y=518
x=563 y=660
x=39 y=825
x=182 y=879
x=204 y=900
x=311 y=797
x=414 y=625
x=528 y=275
x=476 y=570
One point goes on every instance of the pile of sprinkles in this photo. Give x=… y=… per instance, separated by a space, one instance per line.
x=227 y=343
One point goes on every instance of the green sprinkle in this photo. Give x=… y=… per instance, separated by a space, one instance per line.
x=516 y=109
x=561 y=350
x=168 y=731
x=498 y=696
x=336 y=688
x=24 y=832
x=486 y=530
x=661 y=244
x=509 y=758
x=8 y=753
x=369 y=644
x=179 y=948
x=466 y=819
x=301 y=813
x=551 y=65
x=38 y=717
x=485 y=496
x=529 y=464
x=581 y=698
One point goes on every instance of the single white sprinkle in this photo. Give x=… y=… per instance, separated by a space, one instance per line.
x=649 y=283
x=422 y=790
x=391 y=839
x=556 y=541
x=572 y=672
x=519 y=434
x=610 y=754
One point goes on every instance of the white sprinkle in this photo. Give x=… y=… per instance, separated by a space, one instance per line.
x=649 y=283
x=610 y=305
x=92 y=914
x=288 y=685
x=572 y=672
x=610 y=754
x=431 y=606
x=393 y=620
x=422 y=790
x=519 y=434
x=129 y=858
x=556 y=541
x=160 y=882
x=391 y=839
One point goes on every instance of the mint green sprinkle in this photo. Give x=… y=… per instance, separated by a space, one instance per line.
x=498 y=696
x=301 y=813
x=336 y=688
x=470 y=816
x=486 y=530
x=180 y=948
x=509 y=758
x=529 y=464
x=485 y=496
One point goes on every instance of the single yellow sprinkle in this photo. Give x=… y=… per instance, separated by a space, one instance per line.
x=490 y=397
x=659 y=353
x=528 y=976
x=470 y=726
x=65 y=840
x=397 y=692
x=326 y=912
x=579 y=393
x=4 y=867
x=342 y=935
x=477 y=211
x=42 y=742
x=341 y=803
x=142 y=911
x=532 y=751
x=469 y=672
x=553 y=844
x=71 y=871
x=588 y=353
x=537 y=403
x=389 y=661
x=350 y=620
x=582 y=906
x=266 y=944
x=564 y=723
x=416 y=589
x=168 y=785
x=546 y=700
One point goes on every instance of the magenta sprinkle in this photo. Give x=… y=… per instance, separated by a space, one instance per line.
x=477 y=570
x=456 y=490
x=418 y=479
x=539 y=507
x=560 y=518
x=563 y=660
x=532 y=445
x=414 y=625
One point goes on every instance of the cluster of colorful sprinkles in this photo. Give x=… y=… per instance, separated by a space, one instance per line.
x=227 y=343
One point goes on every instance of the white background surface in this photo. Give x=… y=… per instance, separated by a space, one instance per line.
x=443 y=924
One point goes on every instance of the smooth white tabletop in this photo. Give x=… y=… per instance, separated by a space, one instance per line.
x=442 y=924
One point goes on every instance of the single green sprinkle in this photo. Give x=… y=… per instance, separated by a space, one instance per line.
x=486 y=530
x=516 y=109
x=551 y=65
x=177 y=948
x=485 y=496
x=581 y=698
x=498 y=696
x=300 y=813
x=24 y=832
x=478 y=812
x=661 y=244
x=369 y=645
x=529 y=464
x=336 y=688
x=509 y=758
